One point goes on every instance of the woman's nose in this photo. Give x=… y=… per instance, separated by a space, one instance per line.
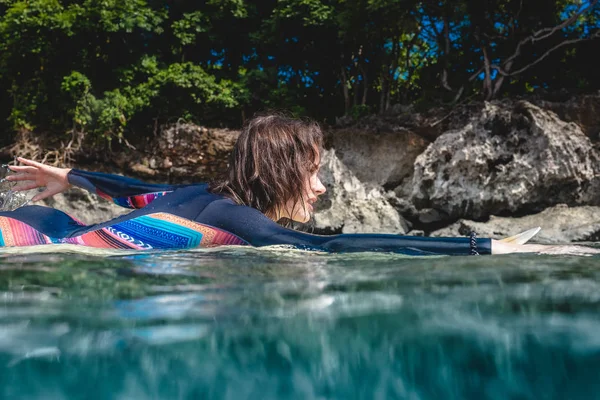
x=318 y=187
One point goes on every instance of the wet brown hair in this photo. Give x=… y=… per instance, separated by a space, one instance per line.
x=272 y=159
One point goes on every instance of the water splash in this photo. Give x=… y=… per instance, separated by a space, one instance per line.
x=9 y=199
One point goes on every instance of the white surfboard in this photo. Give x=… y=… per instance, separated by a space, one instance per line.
x=523 y=237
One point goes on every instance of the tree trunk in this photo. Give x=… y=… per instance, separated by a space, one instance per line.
x=487 y=80
x=365 y=85
x=356 y=92
x=382 y=97
x=345 y=90
x=408 y=67
x=500 y=80
x=393 y=69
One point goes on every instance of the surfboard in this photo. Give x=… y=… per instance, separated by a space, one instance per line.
x=523 y=237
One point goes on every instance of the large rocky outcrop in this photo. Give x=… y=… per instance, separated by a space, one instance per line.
x=583 y=110
x=427 y=123
x=84 y=206
x=511 y=158
x=560 y=224
x=184 y=153
x=350 y=206
x=383 y=158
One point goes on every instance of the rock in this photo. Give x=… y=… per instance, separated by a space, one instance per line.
x=583 y=110
x=508 y=159
x=560 y=224
x=143 y=169
x=384 y=158
x=350 y=206
x=185 y=153
x=428 y=124
x=84 y=206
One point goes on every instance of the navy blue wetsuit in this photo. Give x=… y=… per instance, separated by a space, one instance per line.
x=195 y=204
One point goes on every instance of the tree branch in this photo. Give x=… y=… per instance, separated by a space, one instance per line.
x=487 y=80
x=445 y=83
x=546 y=32
x=503 y=72
x=475 y=75
x=516 y=17
x=550 y=31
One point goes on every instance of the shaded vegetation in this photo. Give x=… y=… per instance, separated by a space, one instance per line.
x=117 y=69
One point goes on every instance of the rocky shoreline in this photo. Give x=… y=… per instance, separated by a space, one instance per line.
x=497 y=168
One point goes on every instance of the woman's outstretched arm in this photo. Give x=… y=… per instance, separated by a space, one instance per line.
x=255 y=228
x=121 y=190
x=124 y=191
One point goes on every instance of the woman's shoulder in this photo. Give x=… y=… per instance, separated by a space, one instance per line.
x=200 y=193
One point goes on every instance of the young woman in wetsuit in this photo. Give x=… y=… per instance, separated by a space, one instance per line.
x=272 y=178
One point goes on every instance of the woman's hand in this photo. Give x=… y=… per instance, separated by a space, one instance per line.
x=35 y=175
x=499 y=247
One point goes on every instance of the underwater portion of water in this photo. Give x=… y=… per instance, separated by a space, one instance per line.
x=283 y=324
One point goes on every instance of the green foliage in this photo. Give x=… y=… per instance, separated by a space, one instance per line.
x=96 y=66
x=189 y=26
x=311 y=12
x=109 y=115
x=112 y=68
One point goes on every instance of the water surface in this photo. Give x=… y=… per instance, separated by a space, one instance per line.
x=285 y=324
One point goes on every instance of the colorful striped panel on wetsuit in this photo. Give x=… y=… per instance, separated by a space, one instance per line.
x=154 y=231
x=137 y=201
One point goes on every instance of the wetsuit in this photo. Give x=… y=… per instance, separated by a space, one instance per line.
x=188 y=216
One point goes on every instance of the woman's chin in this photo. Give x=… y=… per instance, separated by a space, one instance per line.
x=303 y=219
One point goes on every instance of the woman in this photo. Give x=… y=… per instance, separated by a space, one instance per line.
x=273 y=177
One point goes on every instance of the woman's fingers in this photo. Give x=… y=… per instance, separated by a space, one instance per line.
x=30 y=162
x=22 y=173
x=41 y=196
x=29 y=185
x=25 y=186
x=33 y=175
x=20 y=168
x=19 y=177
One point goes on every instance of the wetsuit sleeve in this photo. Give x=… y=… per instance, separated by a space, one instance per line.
x=121 y=190
x=258 y=230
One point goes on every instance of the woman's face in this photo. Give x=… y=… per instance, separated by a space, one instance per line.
x=302 y=209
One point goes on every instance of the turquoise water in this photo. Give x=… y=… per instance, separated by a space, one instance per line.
x=283 y=324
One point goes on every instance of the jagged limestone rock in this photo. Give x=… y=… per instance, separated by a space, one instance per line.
x=185 y=153
x=511 y=158
x=350 y=206
x=381 y=158
x=581 y=109
x=560 y=224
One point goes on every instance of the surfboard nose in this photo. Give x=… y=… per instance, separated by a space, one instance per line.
x=523 y=237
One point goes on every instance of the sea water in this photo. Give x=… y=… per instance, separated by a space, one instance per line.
x=243 y=323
